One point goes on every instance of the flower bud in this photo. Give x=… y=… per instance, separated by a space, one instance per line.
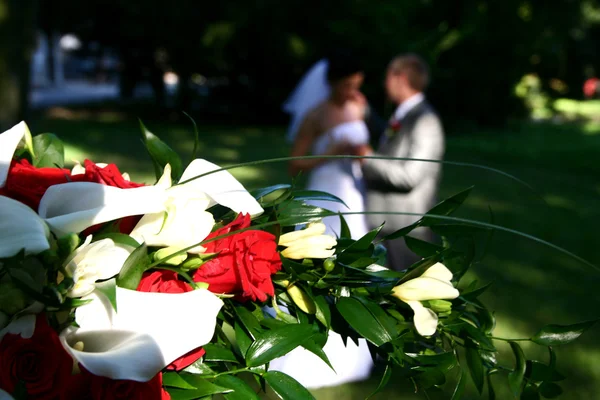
x=308 y=243
x=440 y=306
x=302 y=300
x=167 y=251
x=329 y=265
x=67 y=244
x=12 y=299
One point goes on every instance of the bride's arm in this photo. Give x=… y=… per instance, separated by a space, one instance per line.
x=307 y=134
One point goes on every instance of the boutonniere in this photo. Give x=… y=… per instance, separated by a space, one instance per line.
x=393 y=127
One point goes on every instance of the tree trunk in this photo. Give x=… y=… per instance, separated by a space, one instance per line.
x=17 y=43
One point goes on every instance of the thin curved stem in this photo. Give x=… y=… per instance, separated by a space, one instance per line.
x=510 y=340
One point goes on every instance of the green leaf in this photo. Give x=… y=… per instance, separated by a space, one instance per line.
x=49 y=151
x=323 y=313
x=401 y=232
x=550 y=390
x=491 y=392
x=517 y=376
x=109 y=289
x=242 y=339
x=276 y=343
x=173 y=379
x=448 y=206
x=459 y=390
x=475 y=366
x=385 y=378
x=530 y=392
x=286 y=387
x=272 y=195
x=249 y=320
x=241 y=390
x=554 y=335
x=199 y=368
x=196 y=136
x=313 y=195
x=539 y=372
x=362 y=320
x=361 y=245
x=118 y=238
x=444 y=361
x=202 y=388
x=422 y=248
x=344 y=228
x=161 y=154
x=317 y=350
x=133 y=268
x=216 y=352
x=293 y=212
x=473 y=294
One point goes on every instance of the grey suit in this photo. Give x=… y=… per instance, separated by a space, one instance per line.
x=407 y=186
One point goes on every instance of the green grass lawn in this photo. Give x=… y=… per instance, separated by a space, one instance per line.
x=533 y=285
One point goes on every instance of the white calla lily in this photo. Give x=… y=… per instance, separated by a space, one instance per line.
x=221 y=187
x=75 y=206
x=94 y=261
x=21 y=228
x=149 y=331
x=9 y=141
x=433 y=284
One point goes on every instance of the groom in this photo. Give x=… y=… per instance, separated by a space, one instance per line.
x=414 y=131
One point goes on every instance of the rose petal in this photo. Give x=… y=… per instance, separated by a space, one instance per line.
x=425 y=319
x=221 y=187
x=75 y=206
x=439 y=271
x=425 y=288
x=9 y=140
x=162 y=317
x=21 y=228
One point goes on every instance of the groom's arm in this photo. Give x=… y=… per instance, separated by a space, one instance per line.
x=403 y=176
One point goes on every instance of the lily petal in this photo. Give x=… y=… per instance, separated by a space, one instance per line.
x=425 y=288
x=439 y=271
x=75 y=206
x=21 y=228
x=221 y=187
x=9 y=140
x=425 y=319
x=23 y=326
x=149 y=331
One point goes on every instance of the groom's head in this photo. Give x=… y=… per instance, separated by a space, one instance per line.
x=407 y=75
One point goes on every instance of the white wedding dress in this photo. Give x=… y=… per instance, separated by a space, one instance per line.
x=342 y=178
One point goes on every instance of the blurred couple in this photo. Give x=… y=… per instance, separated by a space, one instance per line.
x=328 y=118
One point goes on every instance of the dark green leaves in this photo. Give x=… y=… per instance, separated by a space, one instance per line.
x=516 y=377
x=363 y=321
x=475 y=366
x=241 y=390
x=133 y=268
x=385 y=378
x=459 y=390
x=276 y=343
x=286 y=387
x=217 y=352
x=49 y=151
x=553 y=335
x=161 y=154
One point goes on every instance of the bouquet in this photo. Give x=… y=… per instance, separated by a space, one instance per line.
x=190 y=287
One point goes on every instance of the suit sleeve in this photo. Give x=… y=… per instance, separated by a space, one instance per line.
x=403 y=176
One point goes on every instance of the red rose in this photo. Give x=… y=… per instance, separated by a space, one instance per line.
x=40 y=362
x=244 y=264
x=28 y=184
x=590 y=87
x=86 y=386
x=166 y=281
x=108 y=175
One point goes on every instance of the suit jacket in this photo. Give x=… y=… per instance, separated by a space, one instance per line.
x=407 y=186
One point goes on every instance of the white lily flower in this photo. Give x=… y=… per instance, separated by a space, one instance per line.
x=308 y=243
x=79 y=169
x=149 y=331
x=21 y=228
x=94 y=261
x=434 y=284
x=74 y=206
x=9 y=141
x=186 y=221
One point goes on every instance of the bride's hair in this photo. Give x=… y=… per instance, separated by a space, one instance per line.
x=342 y=64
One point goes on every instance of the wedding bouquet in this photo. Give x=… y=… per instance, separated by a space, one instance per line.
x=188 y=288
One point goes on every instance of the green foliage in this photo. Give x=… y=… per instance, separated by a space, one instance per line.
x=133 y=268
x=161 y=154
x=49 y=151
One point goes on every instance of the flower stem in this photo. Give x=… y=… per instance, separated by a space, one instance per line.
x=510 y=340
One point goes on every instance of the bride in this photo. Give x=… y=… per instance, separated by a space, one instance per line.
x=327 y=119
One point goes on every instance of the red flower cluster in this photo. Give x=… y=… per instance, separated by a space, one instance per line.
x=244 y=264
